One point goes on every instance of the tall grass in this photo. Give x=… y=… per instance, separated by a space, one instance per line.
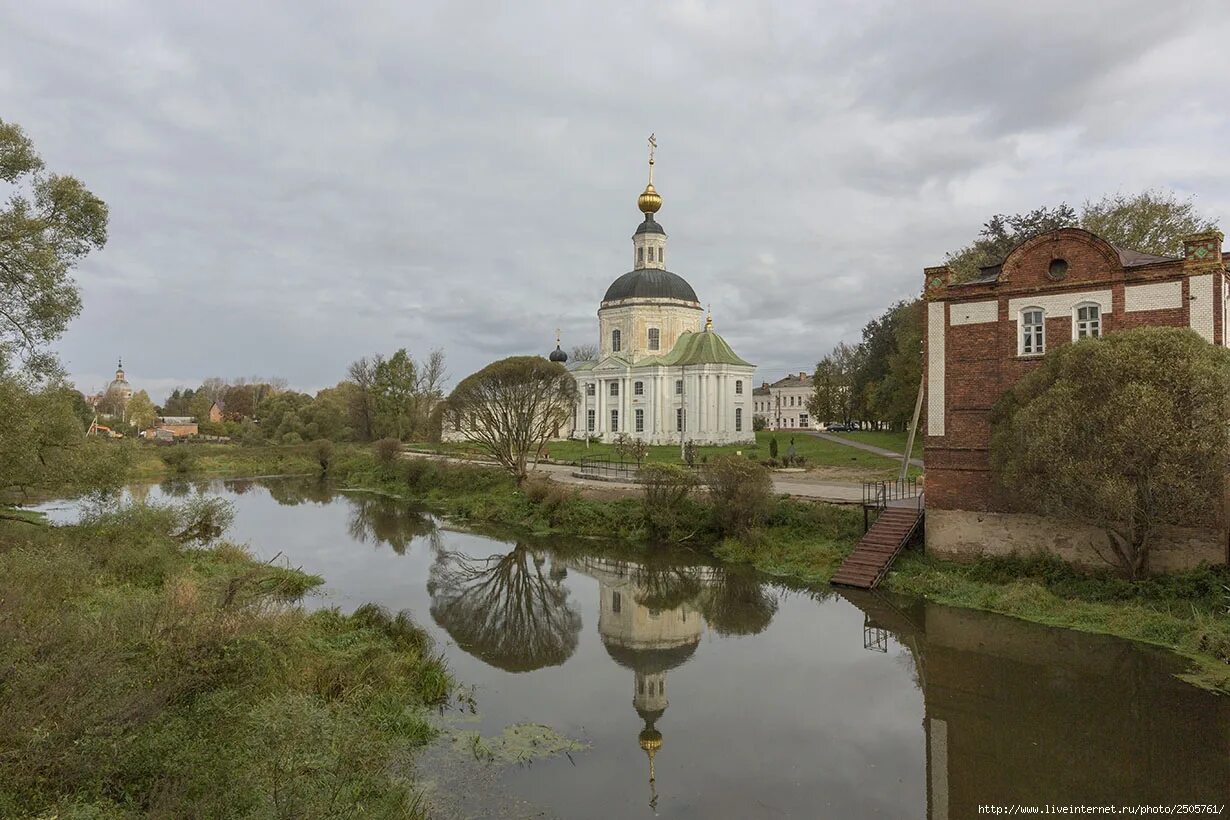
x=147 y=669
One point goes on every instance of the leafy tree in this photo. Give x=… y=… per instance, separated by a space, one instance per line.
x=362 y=405
x=1153 y=221
x=838 y=392
x=141 y=411
x=506 y=610
x=48 y=223
x=512 y=407
x=1003 y=232
x=1127 y=432
x=896 y=394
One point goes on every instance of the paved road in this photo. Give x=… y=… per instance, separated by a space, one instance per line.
x=860 y=445
x=835 y=492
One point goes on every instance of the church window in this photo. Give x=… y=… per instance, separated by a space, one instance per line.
x=660 y=253
x=738 y=387
x=678 y=387
x=615 y=602
x=1088 y=322
x=655 y=338
x=738 y=419
x=616 y=338
x=641 y=687
x=1033 y=332
x=679 y=419
x=802 y=419
x=589 y=389
x=614 y=421
x=589 y=420
x=614 y=388
x=638 y=388
x=640 y=255
x=640 y=421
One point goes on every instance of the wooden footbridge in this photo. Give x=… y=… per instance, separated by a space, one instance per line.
x=898 y=510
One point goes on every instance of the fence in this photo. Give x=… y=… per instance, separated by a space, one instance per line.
x=610 y=469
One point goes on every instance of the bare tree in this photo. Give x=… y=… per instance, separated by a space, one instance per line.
x=512 y=407
x=584 y=353
x=363 y=408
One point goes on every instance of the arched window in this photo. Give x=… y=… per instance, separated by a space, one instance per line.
x=738 y=387
x=655 y=338
x=1033 y=332
x=616 y=339
x=1087 y=321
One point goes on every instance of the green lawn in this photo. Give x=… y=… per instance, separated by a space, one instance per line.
x=886 y=439
x=818 y=452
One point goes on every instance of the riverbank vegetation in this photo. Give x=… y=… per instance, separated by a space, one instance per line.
x=151 y=669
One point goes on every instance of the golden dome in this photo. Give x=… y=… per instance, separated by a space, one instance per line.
x=649 y=201
x=650 y=740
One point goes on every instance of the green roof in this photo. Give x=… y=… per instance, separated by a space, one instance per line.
x=705 y=347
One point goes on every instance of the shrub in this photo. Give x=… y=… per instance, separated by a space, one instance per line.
x=421 y=474
x=179 y=457
x=546 y=494
x=773 y=447
x=386 y=451
x=741 y=493
x=322 y=450
x=667 y=497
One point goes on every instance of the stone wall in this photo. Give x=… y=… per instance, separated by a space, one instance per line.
x=965 y=535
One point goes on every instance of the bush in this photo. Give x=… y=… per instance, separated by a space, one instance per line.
x=667 y=498
x=741 y=493
x=546 y=494
x=386 y=451
x=179 y=457
x=322 y=450
x=773 y=447
x=420 y=473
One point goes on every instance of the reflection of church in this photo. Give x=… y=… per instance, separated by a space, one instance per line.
x=650 y=640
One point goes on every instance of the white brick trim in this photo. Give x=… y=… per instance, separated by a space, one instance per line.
x=1157 y=296
x=936 y=328
x=974 y=313
x=1058 y=304
x=1200 y=289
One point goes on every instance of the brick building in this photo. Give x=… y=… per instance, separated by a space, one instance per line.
x=985 y=334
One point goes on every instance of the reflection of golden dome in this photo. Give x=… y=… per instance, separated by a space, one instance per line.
x=649 y=201
x=650 y=740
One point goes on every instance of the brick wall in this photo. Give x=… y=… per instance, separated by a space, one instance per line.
x=973 y=357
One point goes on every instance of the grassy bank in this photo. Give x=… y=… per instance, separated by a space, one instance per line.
x=149 y=670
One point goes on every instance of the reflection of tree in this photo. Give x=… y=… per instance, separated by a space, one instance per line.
x=737 y=603
x=239 y=486
x=506 y=610
x=387 y=521
x=293 y=492
x=663 y=588
x=174 y=487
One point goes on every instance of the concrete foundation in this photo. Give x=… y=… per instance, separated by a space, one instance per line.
x=965 y=535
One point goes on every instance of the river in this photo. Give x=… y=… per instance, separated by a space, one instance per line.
x=699 y=692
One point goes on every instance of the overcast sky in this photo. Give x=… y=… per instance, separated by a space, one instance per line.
x=296 y=185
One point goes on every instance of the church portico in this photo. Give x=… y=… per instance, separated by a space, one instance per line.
x=663 y=375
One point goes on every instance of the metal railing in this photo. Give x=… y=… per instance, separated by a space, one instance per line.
x=610 y=469
x=879 y=495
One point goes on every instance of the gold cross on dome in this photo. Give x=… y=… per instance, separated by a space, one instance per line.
x=653 y=145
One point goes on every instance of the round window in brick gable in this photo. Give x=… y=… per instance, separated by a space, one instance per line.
x=1058 y=269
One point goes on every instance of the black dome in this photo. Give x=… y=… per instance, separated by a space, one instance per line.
x=558 y=355
x=649 y=661
x=650 y=225
x=650 y=283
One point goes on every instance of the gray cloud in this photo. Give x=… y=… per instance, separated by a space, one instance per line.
x=294 y=186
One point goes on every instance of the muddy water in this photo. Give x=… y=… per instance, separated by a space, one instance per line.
x=700 y=693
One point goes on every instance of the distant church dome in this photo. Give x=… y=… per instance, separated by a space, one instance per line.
x=650 y=283
x=120 y=384
x=558 y=355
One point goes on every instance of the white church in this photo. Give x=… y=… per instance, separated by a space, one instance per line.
x=662 y=373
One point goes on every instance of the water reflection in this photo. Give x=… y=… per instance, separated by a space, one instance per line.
x=505 y=609
x=785 y=704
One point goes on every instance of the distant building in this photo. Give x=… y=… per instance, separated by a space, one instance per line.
x=215 y=413
x=986 y=334
x=783 y=404
x=178 y=426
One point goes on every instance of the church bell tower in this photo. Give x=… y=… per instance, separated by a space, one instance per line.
x=649 y=241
